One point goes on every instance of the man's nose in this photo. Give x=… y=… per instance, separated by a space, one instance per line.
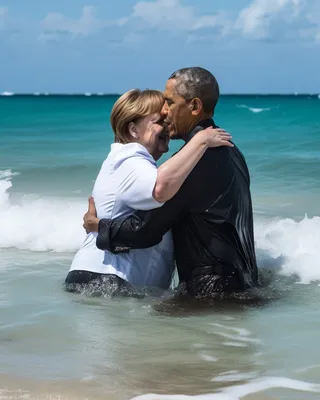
x=165 y=109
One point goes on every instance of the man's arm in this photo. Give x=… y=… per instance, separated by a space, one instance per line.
x=142 y=229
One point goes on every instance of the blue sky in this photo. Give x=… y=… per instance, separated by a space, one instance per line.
x=251 y=46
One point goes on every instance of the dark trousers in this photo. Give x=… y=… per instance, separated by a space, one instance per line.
x=209 y=282
x=96 y=284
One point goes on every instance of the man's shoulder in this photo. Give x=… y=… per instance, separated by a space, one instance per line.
x=217 y=155
x=222 y=154
x=219 y=164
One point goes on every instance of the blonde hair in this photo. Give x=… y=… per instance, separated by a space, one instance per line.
x=130 y=107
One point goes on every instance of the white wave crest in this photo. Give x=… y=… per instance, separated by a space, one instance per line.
x=55 y=224
x=294 y=244
x=39 y=224
x=238 y=392
x=252 y=109
x=7 y=174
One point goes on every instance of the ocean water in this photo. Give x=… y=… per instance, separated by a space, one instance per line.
x=56 y=345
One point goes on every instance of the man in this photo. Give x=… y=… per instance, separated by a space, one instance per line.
x=211 y=215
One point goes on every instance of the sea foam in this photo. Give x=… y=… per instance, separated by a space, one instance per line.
x=55 y=224
x=238 y=392
x=39 y=224
x=255 y=110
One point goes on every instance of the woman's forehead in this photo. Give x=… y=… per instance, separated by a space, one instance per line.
x=155 y=117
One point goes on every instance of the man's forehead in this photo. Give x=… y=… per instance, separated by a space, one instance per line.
x=170 y=88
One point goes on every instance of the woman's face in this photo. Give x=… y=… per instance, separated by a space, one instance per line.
x=152 y=133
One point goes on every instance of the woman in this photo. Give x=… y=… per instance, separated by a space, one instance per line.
x=129 y=180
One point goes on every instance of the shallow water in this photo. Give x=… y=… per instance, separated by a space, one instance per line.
x=65 y=344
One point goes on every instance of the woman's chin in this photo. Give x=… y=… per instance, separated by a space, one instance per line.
x=159 y=152
x=164 y=149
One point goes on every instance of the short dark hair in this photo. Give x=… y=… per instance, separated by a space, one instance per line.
x=197 y=82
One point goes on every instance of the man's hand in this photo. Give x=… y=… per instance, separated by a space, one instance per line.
x=90 y=220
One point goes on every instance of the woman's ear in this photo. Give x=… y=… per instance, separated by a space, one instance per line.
x=133 y=130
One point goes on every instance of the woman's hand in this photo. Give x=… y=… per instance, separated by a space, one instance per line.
x=216 y=137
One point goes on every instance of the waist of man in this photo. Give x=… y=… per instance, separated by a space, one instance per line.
x=206 y=281
x=220 y=269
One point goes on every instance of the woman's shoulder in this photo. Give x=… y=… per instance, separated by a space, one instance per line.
x=131 y=152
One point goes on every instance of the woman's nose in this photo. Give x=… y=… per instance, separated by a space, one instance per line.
x=165 y=109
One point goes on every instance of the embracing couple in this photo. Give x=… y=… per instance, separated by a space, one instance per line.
x=194 y=211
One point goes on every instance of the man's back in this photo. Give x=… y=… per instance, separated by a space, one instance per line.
x=217 y=226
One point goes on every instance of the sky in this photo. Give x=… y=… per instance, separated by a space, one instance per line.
x=110 y=46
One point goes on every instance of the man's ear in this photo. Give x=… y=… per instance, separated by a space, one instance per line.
x=196 y=106
x=133 y=130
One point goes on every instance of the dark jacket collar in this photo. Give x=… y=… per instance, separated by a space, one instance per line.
x=200 y=126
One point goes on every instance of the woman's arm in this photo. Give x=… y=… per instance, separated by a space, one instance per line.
x=174 y=172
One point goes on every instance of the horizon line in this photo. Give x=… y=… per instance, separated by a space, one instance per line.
x=100 y=94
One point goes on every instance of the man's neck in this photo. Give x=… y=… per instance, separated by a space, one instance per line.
x=203 y=124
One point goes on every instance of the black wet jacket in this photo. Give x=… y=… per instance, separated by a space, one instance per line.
x=210 y=217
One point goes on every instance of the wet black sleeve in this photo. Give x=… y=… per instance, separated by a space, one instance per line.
x=142 y=229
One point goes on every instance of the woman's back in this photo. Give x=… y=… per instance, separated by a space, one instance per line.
x=125 y=183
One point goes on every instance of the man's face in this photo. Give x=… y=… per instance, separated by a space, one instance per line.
x=178 y=112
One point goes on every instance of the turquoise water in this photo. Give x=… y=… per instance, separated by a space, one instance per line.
x=58 y=144
x=50 y=342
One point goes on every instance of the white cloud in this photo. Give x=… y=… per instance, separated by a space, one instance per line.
x=297 y=20
x=55 y=25
x=85 y=25
x=260 y=16
x=173 y=15
x=220 y=24
x=164 y=13
x=3 y=15
x=206 y=21
x=260 y=20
